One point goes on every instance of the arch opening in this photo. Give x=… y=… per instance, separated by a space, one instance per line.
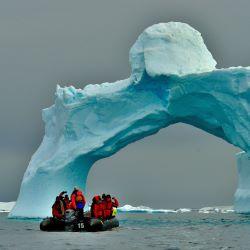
x=181 y=166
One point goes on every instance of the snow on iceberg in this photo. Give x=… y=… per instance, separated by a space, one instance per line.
x=173 y=80
x=170 y=49
x=205 y=210
x=144 y=209
x=219 y=209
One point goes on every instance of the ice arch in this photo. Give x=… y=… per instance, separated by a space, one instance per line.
x=173 y=80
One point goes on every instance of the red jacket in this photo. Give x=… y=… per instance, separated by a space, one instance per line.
x=58 y=210
x=97 y=211
x=67 y=204
x=115 y=202
x=108 y=208
x=108 y=205
x=77 y=198
x=97 y=208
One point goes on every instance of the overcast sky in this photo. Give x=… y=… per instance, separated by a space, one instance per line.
x=43 y=43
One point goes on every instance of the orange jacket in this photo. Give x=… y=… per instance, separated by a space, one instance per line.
x=77 y=197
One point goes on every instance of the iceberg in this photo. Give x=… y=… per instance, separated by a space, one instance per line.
x=143 y=209
x=173 y=80
x=170 y=49
x=6 y=207
x=219 y=209
x=242 y=194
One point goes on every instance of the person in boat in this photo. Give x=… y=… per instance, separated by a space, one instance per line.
x=97 y=207
x=66 y=202
x=103 y=197
x=109 y=207
x=78 y=202
x=58 y=210
x=62 y=197
x=115 y=202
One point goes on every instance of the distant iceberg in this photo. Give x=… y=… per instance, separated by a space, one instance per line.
x=205 y=210
x=143 y=209
x=173 y=79
x=219 y=209
x=6 y=207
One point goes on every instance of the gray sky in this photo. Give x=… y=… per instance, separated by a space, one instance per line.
x=43 y=43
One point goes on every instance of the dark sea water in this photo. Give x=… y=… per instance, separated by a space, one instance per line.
x=191 y=230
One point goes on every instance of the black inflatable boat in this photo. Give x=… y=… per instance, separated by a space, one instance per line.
x=94 y=225
x=72 y=224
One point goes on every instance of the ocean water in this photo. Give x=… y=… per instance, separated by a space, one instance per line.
x=138 y=230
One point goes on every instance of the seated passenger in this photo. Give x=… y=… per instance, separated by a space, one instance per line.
x=97 y=208
x=62 y=197
x=66 y=202
x=103 y=197
x=58 y=210
x=115 y=206
x=115 y=202
x=109 y=206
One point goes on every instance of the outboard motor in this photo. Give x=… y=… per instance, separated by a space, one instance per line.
x=71 y=223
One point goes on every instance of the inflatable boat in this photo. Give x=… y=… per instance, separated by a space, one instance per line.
x=95 y=225
x=72 y=224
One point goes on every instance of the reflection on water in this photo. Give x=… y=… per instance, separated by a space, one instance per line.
x=183 y=219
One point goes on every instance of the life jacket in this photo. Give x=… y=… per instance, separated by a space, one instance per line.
x=79 y=197
x=108 y=208
x=97 y=208
x=58 y=210
x=114 y=213
x=97 y=211
x=77 y=200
